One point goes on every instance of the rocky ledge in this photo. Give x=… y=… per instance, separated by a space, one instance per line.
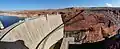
x=92 y=20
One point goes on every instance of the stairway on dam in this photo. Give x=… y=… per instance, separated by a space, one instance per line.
x=33 y=31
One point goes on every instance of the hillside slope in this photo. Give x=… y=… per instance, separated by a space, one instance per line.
x=92 y=20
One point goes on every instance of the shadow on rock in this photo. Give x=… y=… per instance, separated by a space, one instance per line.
x=108 y=43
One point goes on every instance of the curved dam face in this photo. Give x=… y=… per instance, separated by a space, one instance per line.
x=33 y=31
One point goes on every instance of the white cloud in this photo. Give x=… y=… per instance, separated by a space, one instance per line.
x=109 y=5
x=74 y=5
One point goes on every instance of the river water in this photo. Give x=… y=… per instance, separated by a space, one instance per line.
x=9 y=20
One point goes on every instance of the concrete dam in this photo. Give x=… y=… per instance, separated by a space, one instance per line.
x=32 y=31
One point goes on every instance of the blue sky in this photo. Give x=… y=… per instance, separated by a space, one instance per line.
x=50 y=4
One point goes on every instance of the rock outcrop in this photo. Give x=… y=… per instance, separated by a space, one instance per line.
x=93 y=20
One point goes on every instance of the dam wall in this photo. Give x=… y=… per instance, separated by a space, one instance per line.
x=33 y=31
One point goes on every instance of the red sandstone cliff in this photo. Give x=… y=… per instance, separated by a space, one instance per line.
x=92 y=20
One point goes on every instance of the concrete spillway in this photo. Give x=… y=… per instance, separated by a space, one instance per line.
x=33 y=31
